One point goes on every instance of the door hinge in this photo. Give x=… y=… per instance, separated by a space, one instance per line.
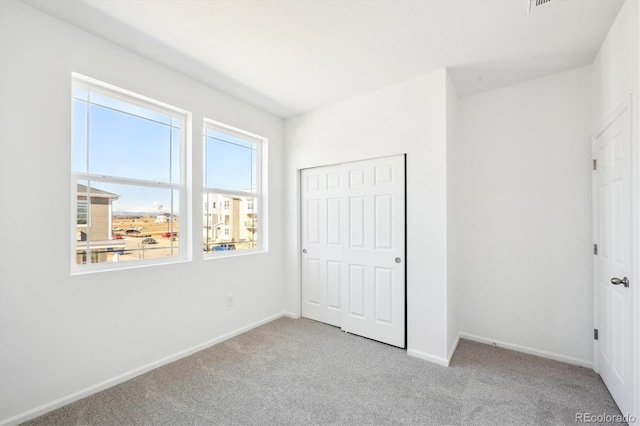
x=595 y=334
x=595 y=164
x=595 y=249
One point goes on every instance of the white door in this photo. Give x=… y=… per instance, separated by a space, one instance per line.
x=353 y=242
x=612 y=146
x=322 y=244
x=373 y=251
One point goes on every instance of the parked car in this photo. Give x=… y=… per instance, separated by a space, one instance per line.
x=131 y=231
x=149 y=240
x=117 y=236
x=169 y=234
x=225 y=247
x=116 y=228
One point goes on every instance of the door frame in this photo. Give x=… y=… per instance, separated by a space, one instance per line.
x=298 y=256
x=623 y=107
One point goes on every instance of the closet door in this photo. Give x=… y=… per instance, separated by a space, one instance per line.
x=373 y=250
x=322 y=244
x=353 y=247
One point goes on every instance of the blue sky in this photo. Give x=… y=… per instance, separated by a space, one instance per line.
x=132 y=142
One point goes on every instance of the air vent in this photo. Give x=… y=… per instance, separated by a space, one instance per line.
x=533 y=4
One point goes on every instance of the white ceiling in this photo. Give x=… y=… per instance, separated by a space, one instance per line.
x=289 y=57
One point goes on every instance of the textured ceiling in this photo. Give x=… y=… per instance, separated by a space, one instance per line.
x=289 y=57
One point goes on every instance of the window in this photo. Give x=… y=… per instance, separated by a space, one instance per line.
x=129 y=178
x=232 y=180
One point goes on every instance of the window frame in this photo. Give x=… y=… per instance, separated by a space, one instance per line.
x=259 y=196
x=183 y=187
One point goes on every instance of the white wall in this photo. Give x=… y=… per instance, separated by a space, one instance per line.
x=405 y=118
x=524 y=216
x=453 y=267
x=616 y=74
x=63 y=334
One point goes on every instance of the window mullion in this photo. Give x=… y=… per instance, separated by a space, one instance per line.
x=230 y=192
x=127 y=181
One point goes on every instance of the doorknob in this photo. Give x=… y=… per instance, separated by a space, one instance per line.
x=398 y=260
x=617 y=281
x=304 y=251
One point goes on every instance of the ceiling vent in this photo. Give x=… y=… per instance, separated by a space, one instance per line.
x=533 y=4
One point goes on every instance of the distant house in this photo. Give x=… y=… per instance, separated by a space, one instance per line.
x=163 y=218
x=93 y=225
x=166 y=218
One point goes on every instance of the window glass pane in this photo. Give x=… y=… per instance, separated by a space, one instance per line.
x=82 y=218
x=176 y=137
x=80 y=93
x=128 y=222
x=127 y=146
x=254 y=167
x=126 y=107
x=217 y=134
x=229 y=222
x=79 y=136
x=230 y=163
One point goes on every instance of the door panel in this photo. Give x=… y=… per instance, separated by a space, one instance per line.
x=353 y=230
x=333 y=222
x=383 y=284
x=613 y=184
x=384 y=222
x=356 y=222
x=333 y=285
x=356 y=290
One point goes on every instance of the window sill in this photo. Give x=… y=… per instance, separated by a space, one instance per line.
x=232 y=253
x=119 y=266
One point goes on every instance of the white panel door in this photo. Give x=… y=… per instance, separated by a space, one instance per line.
x=613 y=271
x=353 y=242
x=321 y=260
x=373 y=254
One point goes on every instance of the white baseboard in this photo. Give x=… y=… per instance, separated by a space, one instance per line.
x=528 y=350
x=291 y=315
x=428 y=357
x=75 y=396
x=435 y=359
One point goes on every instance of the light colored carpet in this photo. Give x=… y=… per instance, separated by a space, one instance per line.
x=304 y=372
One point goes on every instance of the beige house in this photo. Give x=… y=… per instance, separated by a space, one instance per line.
x=93 y=226
x=230 y=219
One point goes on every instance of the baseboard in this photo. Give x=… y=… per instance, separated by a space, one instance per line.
x=428 y=357
x=75 y=396
x=291 y=315
x=528 y=350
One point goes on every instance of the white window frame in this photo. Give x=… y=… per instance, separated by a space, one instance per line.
x=260 y=193
x=183 y=188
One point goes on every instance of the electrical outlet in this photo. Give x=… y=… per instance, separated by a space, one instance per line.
x=230 y=300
